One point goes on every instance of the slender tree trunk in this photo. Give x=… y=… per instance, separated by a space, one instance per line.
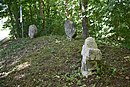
x=17 y=25
x=84 y=19
x=12 y=22
x=66 y=10
x=15 y=11
x=41 y=8
x=48 y=8
x=31 y=14
x=42 y=12
x=48 y=23
x=37 y=12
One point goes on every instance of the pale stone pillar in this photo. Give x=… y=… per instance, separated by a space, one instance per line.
x=90 y=55
x=32 y=31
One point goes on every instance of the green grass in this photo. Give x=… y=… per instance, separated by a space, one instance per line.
x=55 y=62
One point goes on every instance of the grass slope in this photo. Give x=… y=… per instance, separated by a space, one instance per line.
x=53 y=61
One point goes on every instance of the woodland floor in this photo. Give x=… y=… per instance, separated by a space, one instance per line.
x=53 y=61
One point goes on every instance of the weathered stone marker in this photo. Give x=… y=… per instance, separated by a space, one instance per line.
x=69 y=29
x=32 y=31
x=90 y=55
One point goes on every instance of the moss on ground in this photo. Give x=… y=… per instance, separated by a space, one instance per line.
x=53 y=61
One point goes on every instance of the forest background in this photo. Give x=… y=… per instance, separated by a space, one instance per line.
x=106 y=20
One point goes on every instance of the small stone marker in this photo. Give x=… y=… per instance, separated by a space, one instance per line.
x=90 y=55
x=69 y=29
x=32 y=31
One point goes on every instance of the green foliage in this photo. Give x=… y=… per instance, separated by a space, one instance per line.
x=7 y=51
x=108 y=19
x=119 y=20
x=103 y=69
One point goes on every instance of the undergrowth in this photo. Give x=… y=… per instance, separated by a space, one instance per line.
x=54 y=61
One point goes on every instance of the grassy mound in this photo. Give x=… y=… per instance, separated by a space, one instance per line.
x=53 y=61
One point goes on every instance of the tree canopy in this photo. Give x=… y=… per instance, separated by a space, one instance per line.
x=107 y=20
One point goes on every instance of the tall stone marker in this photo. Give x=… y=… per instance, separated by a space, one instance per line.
x=90 y=56
x=32 y=31
x=69 y=29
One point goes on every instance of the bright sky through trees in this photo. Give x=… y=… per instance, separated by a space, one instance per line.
x=3 y=33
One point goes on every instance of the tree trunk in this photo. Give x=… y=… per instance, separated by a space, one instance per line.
x=42 y=12
x=12 y=22
x=66 y=10
x=18 y=25
x=31 y=14
x=36 y=13
x=84 y=19
x=48 y=9
x=15 y=10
